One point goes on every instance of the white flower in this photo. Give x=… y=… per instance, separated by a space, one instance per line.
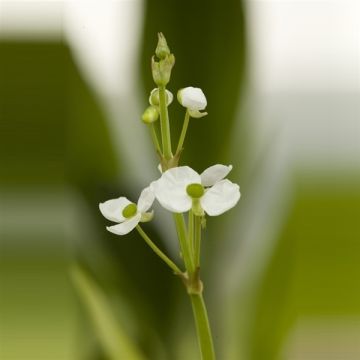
x=192 y=98
x=178 y=187
x=154 y=97
x=126 y=213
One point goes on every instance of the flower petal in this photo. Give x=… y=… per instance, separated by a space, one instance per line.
x=146 y=199
x=221 y=197
x=213 y=174
x=126 y=226
x=112 y=209
x=192 y=98
x=170 y=189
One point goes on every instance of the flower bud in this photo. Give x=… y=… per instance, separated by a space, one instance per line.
x=150 y=115
x=192 y=98
x=162 y=49
x=155 y=68
x=161 y=70
x=154 y=97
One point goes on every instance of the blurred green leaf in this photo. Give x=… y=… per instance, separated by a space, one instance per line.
x=112 y=336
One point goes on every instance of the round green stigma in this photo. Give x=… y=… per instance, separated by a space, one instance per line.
x=129 y=211
x=195 y=190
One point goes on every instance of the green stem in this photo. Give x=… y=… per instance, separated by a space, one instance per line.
x=184 y=245
x=202 y=327
x=183 y=132
x=158 y=252
x=191 y=233
x=197 y=241
x=164 y=124
x=155 y=138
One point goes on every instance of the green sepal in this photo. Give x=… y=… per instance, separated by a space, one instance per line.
x=146 y=217
x=197 y=114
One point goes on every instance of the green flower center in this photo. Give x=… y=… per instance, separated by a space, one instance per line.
x=195 y=191
x=129 y=211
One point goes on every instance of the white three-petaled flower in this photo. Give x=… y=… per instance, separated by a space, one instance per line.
x=126 y=213
x=177 y=188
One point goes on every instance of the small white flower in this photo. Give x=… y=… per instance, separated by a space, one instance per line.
x=154 y=97
x=178 y=187
x=192 y=98
x=126 y=213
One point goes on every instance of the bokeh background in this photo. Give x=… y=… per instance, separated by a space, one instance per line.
x=281 y=270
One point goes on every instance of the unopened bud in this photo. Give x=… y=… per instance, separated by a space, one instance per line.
x=162 y=49
x=161 y=70
x=150 y=115
x=192 y=98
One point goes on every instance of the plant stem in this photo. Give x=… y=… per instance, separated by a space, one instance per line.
x=164 y=124
x=202 y=327
x=184 y=245
x=197 y=241
x=191 y=234
x=183 y=132
x=158 y=252
x=155 y=138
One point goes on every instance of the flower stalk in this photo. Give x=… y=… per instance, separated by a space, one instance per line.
x=164 y=124
x=183 y=133
x=158 y=252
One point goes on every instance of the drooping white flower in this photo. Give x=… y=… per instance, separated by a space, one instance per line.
x=192 y=98
x=154 y=97
x=126 y=213
x=178 y=187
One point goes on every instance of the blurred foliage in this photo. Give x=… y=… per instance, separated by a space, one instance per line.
x=314 y=269
x=117 y=343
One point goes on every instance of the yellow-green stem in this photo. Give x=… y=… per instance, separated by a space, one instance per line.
x=184 y=244
x=183 y=132
x=191 y=234
x=197 y=241
x=202 y=327
x=164 y=124
x=158 y=252
x=155 y=138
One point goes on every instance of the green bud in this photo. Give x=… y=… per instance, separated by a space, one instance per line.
x=129 y=211
x=162 y=49
x=155 y=67
x=161 y=70
x=195 y=191
x=166 y=66
x=150 y=115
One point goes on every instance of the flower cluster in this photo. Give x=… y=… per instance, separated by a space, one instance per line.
x=178 y=190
